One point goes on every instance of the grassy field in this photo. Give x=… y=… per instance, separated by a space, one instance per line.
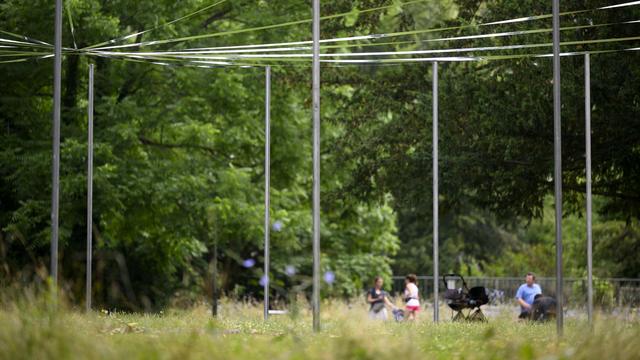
x=32 y=331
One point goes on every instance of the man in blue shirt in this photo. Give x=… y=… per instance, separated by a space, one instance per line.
x=526 y=295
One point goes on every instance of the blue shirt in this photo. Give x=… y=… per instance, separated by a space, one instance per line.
x=528 y=293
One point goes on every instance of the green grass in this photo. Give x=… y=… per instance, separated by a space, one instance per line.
x=29 y=330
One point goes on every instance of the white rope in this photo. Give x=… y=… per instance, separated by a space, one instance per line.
x=367 y=37
x=222 y=57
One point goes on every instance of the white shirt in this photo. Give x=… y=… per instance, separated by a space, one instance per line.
x=412 y=292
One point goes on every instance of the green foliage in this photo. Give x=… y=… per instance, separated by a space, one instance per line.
x=178 y=164
x=603 y=293
x=535 y=245
x=496 y=148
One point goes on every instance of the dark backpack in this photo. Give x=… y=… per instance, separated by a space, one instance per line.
x=543 y=308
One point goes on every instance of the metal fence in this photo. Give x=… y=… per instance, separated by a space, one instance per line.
x=610 y=292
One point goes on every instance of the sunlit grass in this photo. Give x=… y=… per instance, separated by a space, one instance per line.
x=34 y=330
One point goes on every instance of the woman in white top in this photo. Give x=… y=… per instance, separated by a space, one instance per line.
x=411 y=296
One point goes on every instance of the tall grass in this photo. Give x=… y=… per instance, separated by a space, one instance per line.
x=33 y=329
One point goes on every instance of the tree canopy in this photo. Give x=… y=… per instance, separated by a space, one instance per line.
x=179 y=164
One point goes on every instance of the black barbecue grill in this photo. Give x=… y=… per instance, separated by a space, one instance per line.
x=462 y=298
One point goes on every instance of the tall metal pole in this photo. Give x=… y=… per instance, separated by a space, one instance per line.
x=55 y=188
x=89 y=191
x=212 y=222
x=267 y=185
x=557 y=176
x=214 y=278
x=316 y=165
x=587 y=136
x=436 y=225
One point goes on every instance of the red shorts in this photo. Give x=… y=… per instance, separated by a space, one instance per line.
x=413 y=308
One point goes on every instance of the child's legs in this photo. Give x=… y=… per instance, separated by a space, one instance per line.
x=413 y=310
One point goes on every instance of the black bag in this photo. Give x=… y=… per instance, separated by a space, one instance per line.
x=377 y=307
x=454 y=294
x=543 y=309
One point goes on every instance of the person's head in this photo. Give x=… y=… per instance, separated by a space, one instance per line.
x=411 y=278
x=378 y=282
x=530 y=279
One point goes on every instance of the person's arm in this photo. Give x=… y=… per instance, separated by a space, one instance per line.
x=370 y=298
x=521 y=300
x=388 y=302
x=523 y=303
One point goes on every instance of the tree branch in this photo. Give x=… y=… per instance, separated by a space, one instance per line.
x=149 y=142
x=582 y=189
x=215 y=17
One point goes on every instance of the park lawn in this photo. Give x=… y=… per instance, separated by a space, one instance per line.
x=37 y=332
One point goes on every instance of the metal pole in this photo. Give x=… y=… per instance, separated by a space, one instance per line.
x=214 y=278
x=587 y=135
x=436 y=225
x=212 y=223
x=316 y=165
x=89 y=191
x=267 y=186
x=55 y=188
x=557 y=176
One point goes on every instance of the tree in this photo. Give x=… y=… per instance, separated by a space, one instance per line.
x=178 y=163
x=496 y=131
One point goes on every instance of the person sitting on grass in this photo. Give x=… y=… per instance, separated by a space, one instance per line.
x=412 y=296
x=379 y=300
x=526 y=295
